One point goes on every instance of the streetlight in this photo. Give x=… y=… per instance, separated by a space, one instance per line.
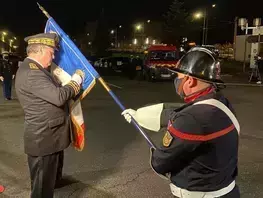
x=115 y=37
x=138 y=27
x=149 y=21
x=115 y=32
x=204 y=14
x=198 y=15
x=11 y=42
x=139 y=32
x=135 y=41
x=3 y=36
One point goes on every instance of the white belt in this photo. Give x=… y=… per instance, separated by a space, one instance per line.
x=182 y=193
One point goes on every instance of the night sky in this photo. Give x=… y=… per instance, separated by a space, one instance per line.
x=24 y=18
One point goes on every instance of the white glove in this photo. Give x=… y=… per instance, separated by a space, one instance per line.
x=128 y=113
x=1 y=78
x=77 y=78
x=148 y=117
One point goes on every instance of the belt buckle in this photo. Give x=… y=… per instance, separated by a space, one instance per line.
x=182 y=193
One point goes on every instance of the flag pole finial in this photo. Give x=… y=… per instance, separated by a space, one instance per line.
x=43 y=10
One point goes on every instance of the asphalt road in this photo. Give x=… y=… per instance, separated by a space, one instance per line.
x=115 y=161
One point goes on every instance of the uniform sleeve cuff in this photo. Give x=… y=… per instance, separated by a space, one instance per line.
x=75 y=86
x=160 y=175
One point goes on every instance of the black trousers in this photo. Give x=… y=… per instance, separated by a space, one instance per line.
x=45 y=172
x=7 y=87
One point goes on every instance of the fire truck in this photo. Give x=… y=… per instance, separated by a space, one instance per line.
x=158 y=61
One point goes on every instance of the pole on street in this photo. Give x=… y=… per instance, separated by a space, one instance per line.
x=245 y=51
x=257 y=64
x=235 y=37
x=116 y=38
x=258 y=40
x=204 y=28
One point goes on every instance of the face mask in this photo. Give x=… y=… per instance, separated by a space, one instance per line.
x=177 y=83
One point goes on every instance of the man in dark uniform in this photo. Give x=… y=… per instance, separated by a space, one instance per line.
x=199 y=152
x=6 y=76
x=47 y=122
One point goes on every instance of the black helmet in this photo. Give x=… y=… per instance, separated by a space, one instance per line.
x=200 y=63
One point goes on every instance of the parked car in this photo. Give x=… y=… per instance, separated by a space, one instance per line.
x=159 y=61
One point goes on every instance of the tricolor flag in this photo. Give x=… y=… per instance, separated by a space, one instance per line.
x=68 y=59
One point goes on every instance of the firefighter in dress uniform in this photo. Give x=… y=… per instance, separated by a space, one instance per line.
x=199 y=152
x=47 y=122
x=6 y=76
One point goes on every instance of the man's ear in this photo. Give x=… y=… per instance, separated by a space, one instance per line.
x=192 y=82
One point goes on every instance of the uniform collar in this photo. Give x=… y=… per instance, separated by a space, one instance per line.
x=45 y=71
x=35 y=61
x=199 y=94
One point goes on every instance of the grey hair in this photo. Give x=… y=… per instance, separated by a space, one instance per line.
x=34 y=49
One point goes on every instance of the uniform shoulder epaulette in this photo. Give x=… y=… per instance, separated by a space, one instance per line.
x=33 y=66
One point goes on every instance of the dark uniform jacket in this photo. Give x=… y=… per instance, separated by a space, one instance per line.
x=45 y=106
x=6 y=70
x=200 y=147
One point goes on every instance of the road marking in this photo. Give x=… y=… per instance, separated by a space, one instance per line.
x=114 y=86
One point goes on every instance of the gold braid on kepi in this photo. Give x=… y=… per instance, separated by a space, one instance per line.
x=47 y=39
x=75 y=86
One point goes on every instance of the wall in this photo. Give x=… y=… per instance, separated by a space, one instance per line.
x=254 y=47
x=240 y=48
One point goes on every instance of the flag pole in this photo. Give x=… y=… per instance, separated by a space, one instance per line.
x=43 y=10
x=137 y=126
x=115 y=98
